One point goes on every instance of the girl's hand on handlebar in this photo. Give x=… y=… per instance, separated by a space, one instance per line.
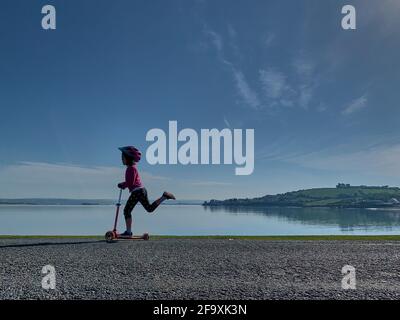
x=121 y=185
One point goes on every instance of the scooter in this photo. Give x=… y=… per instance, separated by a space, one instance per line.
x=112 y=236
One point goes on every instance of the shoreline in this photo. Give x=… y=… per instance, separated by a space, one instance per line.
x=393 y=208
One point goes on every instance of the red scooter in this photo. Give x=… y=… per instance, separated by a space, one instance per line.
x=112 y=236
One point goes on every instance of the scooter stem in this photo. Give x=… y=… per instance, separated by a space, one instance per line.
x=118 y=204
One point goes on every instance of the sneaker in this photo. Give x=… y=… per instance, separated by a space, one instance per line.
x=126 y=234
x=168 y=195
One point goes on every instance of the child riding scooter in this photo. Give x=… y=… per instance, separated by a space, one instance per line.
x=138 y=193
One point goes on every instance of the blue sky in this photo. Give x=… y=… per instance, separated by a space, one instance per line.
x=323 y=101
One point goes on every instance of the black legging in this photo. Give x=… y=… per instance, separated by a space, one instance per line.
x=139 y=196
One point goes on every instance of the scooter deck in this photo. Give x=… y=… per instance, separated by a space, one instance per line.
x=112 y=236
x=130 y=238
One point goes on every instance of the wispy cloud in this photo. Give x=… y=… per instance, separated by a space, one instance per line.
x=216 y=39
x=279 y=92
x=294 y=88
x=248 y=95
x=273 y=83
x=269 y=39
x=383 y=16
x=233 y=42
x=322 y=107
x=40 y=179
x=304 y=67
x=305 y=70
x=227 y=123
x=231 y=31
x=218 y=43
x=380 y=160
x=355 y=105
x=273 y=87
x=305 y=96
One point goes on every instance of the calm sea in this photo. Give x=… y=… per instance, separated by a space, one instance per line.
x=198 y=220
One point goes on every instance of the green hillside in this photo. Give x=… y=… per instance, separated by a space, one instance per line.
x=343 y=195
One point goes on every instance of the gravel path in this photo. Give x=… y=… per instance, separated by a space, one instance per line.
x=198 y=269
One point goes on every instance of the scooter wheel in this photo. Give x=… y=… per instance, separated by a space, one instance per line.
x=109 y=236
x=146 y=236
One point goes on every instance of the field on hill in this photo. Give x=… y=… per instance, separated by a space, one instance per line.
x=341 y=196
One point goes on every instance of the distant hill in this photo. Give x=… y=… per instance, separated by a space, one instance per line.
x=343 y=196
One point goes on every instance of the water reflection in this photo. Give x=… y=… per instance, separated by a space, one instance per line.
x=346 y=219
x=199 y=220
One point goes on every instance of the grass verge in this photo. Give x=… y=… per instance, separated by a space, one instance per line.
x=159 y=237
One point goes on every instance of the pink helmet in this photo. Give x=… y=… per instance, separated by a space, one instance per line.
x=131 y=152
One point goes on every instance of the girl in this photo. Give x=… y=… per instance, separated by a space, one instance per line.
x=130 y=156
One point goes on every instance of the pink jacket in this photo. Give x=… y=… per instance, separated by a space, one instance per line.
x=132 y=179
